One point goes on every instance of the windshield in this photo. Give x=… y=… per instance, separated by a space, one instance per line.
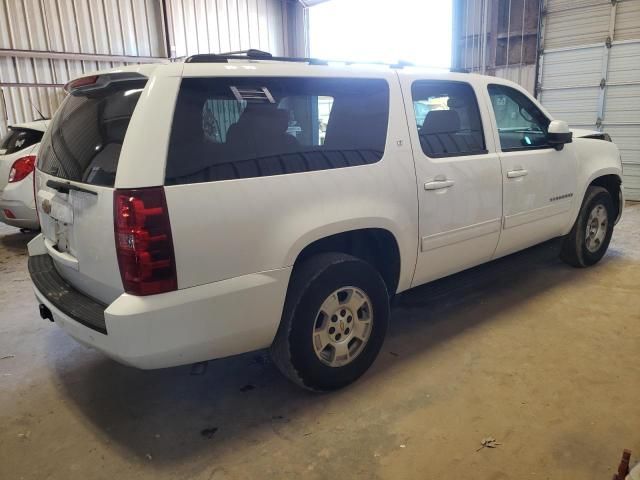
x=85 y=138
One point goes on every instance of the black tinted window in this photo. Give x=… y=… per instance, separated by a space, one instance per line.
x=447 y=118
x=521 y=125
x=228 y=128
x=84 y=140
x=18 y=139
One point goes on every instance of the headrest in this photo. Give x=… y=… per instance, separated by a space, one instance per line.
x=280 y=120
x=457 y=102
x=267 y=117
x=441 y=121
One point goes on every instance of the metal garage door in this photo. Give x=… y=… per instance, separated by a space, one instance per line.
x=590 y=72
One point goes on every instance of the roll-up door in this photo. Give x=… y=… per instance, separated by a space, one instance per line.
x=590 y=72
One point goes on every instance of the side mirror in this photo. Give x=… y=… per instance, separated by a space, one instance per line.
x=559 y=134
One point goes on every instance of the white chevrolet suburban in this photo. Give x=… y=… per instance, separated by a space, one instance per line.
x=197 y=210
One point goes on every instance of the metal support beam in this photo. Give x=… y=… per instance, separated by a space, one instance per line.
x=605 y=65
x=295 y=33
x=31 y=84
x=91 y=57
x=539 y=49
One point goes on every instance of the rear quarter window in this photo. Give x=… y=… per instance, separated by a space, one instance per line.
x=230 y=128
x=18 y=139
x=84 y=140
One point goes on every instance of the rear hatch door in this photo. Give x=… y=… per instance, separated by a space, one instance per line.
x=77 y=165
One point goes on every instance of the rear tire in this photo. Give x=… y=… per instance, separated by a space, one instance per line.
x=589 y=238
x=334 y=322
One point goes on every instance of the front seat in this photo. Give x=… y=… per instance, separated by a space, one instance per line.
x=438 y=132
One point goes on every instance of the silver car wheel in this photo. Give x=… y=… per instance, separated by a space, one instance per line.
x=342 y=326
x=596 y=229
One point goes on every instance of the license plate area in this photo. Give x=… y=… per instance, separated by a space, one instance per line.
x=58 y=218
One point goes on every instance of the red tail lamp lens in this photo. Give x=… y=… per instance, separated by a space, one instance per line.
x=21 y=168
x=143 y=241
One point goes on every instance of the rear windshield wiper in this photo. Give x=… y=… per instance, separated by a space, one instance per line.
x=64 y=187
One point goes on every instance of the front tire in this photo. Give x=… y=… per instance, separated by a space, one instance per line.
x=589 y=238
x=334 y=322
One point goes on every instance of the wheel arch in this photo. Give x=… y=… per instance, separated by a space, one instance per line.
x=375 y=245
x=609 y=178
x=613 y=184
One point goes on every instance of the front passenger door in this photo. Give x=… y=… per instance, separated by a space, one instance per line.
x=538 y=180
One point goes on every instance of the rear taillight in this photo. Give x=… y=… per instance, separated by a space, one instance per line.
x=35 y=195
x=21 y=168
x=143 y=241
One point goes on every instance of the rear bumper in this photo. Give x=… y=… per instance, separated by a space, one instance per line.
x=25 y=217
x=67 y=300
x=195 y=324
x=18 y=198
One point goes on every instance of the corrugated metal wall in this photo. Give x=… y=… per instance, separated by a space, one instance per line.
x=199 y=26
x=524 y=75
x=44 y=43
x=102 y=30
x=125 y=27
x=497 y=37
x=469 y=35
x=590 y=72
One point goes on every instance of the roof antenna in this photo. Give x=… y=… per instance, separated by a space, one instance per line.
x=4 y=106
x=42 y=117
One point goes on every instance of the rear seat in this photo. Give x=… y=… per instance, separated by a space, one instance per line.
x=258 y=145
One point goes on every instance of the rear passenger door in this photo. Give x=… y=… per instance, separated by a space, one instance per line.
x=458 y=174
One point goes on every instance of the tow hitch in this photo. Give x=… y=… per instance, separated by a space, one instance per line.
x=45 y=313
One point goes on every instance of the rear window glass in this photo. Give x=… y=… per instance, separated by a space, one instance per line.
x=84 y=140
x=229 y=128
x=18 y=139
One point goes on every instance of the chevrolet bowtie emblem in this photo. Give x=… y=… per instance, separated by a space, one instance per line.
x=46 y=206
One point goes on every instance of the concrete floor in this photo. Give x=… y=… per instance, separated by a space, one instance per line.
x=539 y=355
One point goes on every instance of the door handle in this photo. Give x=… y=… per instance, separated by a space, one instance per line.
x=517 y=173
x=438 y=184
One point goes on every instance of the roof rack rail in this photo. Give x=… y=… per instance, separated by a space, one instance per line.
x=251 y=54
x=254 y=54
